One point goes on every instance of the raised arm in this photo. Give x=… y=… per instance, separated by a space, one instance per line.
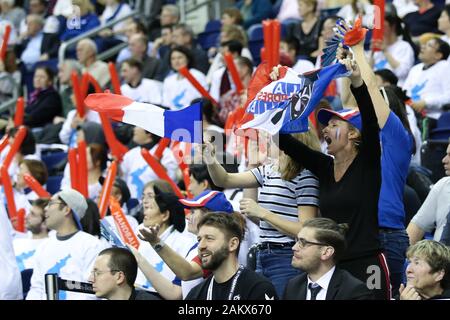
x=310 y=159
x=381 y=107
x=163 y=286
x=224 y=179
x=183 y=269
x=370 y=128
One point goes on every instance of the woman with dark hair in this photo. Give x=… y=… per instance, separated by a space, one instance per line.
x=44 y=102
x=91 y=220
x=178 y=92
x=97 y=157
x=398 y=51
x=164 y=214
x=444 y=23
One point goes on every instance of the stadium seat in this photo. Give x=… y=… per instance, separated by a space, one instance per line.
x=442 y=130
x=255 y=42
x=208 y=38
x=54 y=184
x=432 y=152
x=53 y=159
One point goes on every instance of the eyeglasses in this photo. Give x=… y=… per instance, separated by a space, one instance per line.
x=302 y=243
x=96 y=273
x=52 y=202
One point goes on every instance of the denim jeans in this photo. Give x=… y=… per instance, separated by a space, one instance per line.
x=275 y=264
x=394 y=244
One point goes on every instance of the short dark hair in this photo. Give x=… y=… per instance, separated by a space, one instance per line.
x=98 y=153
x=37 y=169
x=91 y=220
x=200 y=173
x=388 y=76
x=329 y=232
x=187 y=53
x=226 y=223
x=443 y=48
x=134 y=63
x=168 y=201
x=28 y=145
x=233 y=46
x=50 y=73
x=41 y=203
x=123 y=260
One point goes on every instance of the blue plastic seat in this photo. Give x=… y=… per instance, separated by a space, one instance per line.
x=54 y=184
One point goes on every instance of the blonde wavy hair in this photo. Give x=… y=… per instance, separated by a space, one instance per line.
x=288 y=167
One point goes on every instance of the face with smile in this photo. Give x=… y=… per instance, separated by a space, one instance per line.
x=213 y=247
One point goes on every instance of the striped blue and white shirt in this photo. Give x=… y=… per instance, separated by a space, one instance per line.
x=283 y=198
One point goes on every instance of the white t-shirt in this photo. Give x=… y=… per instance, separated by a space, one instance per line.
x=181 y=243
x=187 y=286
x=431 y=85
x=433 y=212
x=25 y=248
x=71 y=259
x=148 y=91
x=67 y=131
x=400 y=51
x=416 y=133
x=109 y=11
x=178 y=92
x=302 y=66
x=11 y=282
x=136 y=171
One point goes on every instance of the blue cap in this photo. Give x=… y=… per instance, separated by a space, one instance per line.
x=211 y=200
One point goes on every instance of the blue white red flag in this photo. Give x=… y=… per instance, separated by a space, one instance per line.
x=181 y=125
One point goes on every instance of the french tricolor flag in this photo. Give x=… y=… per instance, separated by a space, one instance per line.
x=181 y=125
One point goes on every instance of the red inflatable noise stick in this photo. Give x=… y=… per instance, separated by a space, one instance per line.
x=106 y=190
x=36 y=186
x=160 y=171
x=20 y=112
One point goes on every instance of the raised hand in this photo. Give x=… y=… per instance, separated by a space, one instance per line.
x=408 y=293
x=149 y=234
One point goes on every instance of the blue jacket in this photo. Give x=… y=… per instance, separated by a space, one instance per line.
x=261 y=10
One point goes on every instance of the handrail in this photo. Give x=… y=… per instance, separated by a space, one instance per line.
x=63 y=47
x=184 y=12
x=15 y=92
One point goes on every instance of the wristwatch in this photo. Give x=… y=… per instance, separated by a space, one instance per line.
x=157 y=247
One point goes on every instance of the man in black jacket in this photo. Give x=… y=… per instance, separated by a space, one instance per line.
x=319 y=245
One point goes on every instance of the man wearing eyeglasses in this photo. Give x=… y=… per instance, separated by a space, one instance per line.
x=318 y=247
x=71 y=253
x=114 y=274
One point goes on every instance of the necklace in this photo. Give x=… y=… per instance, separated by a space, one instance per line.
x=233 y=284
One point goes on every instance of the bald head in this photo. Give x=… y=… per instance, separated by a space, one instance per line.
x=86 y=51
